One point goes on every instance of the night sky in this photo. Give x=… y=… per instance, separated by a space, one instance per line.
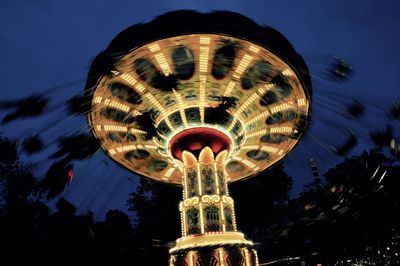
x=47 y=46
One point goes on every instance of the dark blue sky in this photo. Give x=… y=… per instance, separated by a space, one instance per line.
x=45 y=43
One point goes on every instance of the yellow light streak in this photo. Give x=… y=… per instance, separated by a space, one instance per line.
x=265 y=88
x=130 y=80
x=210 y=238
x=97 y=99
x=205 y=40
x=263 y=148
x=244 y=63
x=148 y=146
x=162 y=62
x=287 y=72
x=135 y=130
x=199 y=178
x=203 y=58
x=201 y=217
x=169 y=172
x=216 y=177
x=162 y=136
x=202 y=89
x=191 y=258
x=135 y=147
x=226 y=179
x=247 y=257
x=221 y=257
x=185 y=184
x=281 y=130
x=233 y=217
x=257 y=133
x=229 y=88
x=256 y=256
x=244 y=161
x=155 y=141
x=254 y=49
x=154 y=47
x=301 y=102
x=281 y=107
x=250 y=147
x=140 y=87
x=221 y=207
x=115 y=128
x=248 y=163
x=184 y=223
x=135 y=112
x=137 y=86
x=126 y=148
x=269 y=149
x=119 y=106
x=257 y=117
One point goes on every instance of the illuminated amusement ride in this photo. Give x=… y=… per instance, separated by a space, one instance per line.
x=200 y=100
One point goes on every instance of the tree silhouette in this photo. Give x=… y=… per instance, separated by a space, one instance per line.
x=114 y=238
x=352 y=214
x=20 y=212
x=157 y=223
x=356 y=209
x=263 y=212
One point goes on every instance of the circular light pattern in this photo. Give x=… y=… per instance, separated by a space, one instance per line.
x=225 y=83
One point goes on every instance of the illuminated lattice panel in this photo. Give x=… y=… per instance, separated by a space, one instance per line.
x=180 y=82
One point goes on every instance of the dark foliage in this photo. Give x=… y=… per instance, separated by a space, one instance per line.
x=356 y=209
x=157 y=224
x=348 y=145
x=78 y=105
x=32 y=145
x=382 y=137
x=340 y=69
x=261 y=205
x=32 y=106
x=394 y=111
x=76 y=147
x=355 y=109
x=58 y=176
x=352 y=214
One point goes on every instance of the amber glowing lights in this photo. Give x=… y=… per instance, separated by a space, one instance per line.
x=276 y=105
x=194 y=100
x=207 y=211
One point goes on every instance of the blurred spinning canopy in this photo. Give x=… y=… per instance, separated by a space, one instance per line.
x=250 y=86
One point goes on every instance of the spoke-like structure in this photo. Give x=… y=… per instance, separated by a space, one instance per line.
x=201 y=104
x=200 y=80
